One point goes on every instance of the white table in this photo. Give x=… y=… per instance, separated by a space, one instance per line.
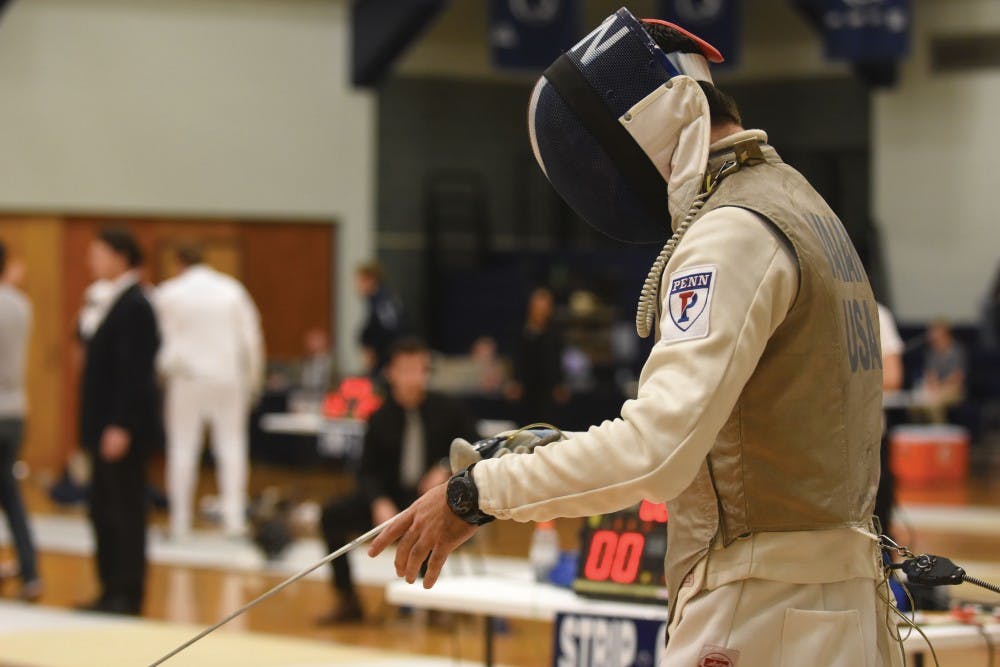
x=313 y=423
x=519 y=597
x=292 y=423
x=513 y=597
x=340 y=438
x=905 y=399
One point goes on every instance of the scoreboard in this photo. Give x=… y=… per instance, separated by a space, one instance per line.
x=621 y=554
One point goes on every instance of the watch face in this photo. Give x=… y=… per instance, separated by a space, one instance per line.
x=460 y=495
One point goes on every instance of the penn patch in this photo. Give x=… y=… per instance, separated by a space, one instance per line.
x=689 y=301
x=718 y=656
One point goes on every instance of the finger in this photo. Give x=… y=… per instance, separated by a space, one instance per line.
x=389 y=534
x=416 y=559
x=434 y=566
x=403 y=550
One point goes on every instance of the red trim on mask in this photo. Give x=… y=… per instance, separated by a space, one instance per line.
x=710 y=52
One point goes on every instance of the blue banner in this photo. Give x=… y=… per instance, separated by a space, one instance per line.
x=597 y=641
x=715 y=21
x=862 y=30
x=530 y=34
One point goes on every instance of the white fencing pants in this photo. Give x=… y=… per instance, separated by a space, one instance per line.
x=190 y=404
x=755 y=622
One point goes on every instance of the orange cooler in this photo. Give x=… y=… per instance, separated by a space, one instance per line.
x=929 y=453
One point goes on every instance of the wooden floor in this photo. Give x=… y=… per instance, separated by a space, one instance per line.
x=201 y=596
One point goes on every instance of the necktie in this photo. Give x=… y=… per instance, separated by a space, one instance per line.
x=411 y=464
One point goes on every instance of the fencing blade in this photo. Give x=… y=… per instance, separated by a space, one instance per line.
x=329 y=558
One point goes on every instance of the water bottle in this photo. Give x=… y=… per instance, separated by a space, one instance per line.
x=544 y=552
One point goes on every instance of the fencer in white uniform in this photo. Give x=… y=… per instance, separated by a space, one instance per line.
x=212 y=359
x=758 y=411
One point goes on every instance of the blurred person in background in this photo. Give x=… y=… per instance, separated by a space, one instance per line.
x=71 y=487
x=990 y=321
x=405 y=454
x=213 y=361
x=120 y=421
x=96 y=299
x=943 y=382
x=15 y=325
x=385 y=319
x=537 y=384
x=490 y=371
x=892 y=380
x=479 y=373
x=317 y=366
x=892 y=351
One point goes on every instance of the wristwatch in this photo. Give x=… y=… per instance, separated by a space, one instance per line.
x=463 y=498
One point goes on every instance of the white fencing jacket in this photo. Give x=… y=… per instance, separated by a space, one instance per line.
x=687 y=390
x=210 y=328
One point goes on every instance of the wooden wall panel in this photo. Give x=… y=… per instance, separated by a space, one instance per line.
x=288 y=270
x=285 y=266
x=37 y=242
x=157 y=236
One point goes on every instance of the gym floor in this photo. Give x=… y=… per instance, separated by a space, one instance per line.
x=961 y=521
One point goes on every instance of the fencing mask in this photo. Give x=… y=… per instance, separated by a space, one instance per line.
x=621 y=128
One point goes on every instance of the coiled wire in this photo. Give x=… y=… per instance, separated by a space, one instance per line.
x=649 y=298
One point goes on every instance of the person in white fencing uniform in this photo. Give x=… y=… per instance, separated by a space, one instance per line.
x=213 y=362
x=758 y=414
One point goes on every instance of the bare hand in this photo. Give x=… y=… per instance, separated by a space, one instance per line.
x=427 y=526
x=433 y=477
x=383 y=509
x=115 y=442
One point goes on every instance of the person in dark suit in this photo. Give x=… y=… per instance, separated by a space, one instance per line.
x=386 y=320
x=119 y=422
x=405 y=454
x=538 y=383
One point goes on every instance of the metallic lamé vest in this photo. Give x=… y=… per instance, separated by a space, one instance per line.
x=800 y=450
